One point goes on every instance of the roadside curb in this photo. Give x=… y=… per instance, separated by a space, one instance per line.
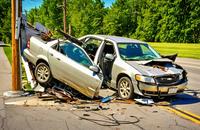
x=2 y=111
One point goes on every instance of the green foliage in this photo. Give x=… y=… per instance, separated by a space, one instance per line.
x=86 y=16
x=49 y=14
x=148 y=20
x=5 y=21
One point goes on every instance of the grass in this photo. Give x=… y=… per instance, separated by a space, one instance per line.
x=183 y=49
x=8 y=52
x=25 y=83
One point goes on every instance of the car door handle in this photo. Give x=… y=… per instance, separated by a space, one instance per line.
x=51 y=54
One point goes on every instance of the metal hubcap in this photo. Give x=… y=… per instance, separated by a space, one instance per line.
x=125 y=89
x=43 y=73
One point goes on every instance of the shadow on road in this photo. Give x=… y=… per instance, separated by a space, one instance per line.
x=183 y=99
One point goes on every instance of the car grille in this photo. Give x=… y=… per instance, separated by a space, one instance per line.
x=168 y=79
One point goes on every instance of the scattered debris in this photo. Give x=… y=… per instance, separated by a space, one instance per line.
x=124 y=101
x=145 y=101
x=107 y=99
x=62 y=94
x=89 y=108
x=86 y=114
x=13 y=93
x=163 y=103
x=28 y=93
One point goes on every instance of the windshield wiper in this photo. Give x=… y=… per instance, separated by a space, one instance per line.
x=129 y=59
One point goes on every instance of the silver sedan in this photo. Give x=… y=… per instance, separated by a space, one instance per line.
x=133 y=67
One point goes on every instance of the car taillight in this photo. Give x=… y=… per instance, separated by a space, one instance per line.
x=28 y=44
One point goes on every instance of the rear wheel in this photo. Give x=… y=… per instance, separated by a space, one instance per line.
x=43 y=73
x=125 y=88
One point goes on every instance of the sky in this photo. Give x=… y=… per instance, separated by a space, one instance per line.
x=28 y=4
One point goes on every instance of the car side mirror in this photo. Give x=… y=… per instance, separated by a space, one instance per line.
x=109 y=57
x=94 y=68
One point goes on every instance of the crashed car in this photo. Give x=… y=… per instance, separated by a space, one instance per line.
x=86 y=64
x=133 y=67
x=64 y=61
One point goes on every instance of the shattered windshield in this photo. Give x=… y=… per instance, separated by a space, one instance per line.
x=137 y=51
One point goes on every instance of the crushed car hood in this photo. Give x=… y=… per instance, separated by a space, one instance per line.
x=156 y=67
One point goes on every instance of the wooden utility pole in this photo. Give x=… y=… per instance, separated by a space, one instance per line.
x=15 y=50
x=64 y=15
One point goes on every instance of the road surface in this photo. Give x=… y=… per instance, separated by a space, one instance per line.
x=190 y=100
x=5 y=83
x=192 y=66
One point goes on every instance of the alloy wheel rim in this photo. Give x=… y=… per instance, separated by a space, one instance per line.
x=125 y=89
x=43 y=73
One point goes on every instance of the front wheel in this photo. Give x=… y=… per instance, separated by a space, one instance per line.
x=43 y=73
x=125 y=88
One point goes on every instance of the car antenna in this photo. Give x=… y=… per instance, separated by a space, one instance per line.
x=71 y=38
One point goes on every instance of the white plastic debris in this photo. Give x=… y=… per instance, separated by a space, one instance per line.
x=145 y=101
x=13 y=93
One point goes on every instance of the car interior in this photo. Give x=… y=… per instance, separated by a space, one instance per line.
x=105 y=63
x=91 y=47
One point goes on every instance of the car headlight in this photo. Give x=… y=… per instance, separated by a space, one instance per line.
x=145 y=79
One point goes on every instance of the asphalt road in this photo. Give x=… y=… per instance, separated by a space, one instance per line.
x=190 y=100
x=192 y=66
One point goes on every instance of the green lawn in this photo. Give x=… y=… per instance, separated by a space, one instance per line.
x=183 y=49
x=8 y=52
x=25 y=83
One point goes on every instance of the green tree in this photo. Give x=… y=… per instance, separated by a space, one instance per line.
x=5 y=21
x=86 y=16
x=118 y=19
x=49 y=14
x=149 y=20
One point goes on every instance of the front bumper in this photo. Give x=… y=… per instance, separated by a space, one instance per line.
x=156 y=90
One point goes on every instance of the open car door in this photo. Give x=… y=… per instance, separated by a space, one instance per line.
x=70 y=64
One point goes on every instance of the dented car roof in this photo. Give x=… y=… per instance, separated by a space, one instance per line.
x=116 y=39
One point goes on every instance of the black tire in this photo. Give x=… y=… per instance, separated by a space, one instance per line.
x=43 y=74
x=125 y=88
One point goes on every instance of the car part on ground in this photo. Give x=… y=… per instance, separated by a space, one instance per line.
x=144 y=101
